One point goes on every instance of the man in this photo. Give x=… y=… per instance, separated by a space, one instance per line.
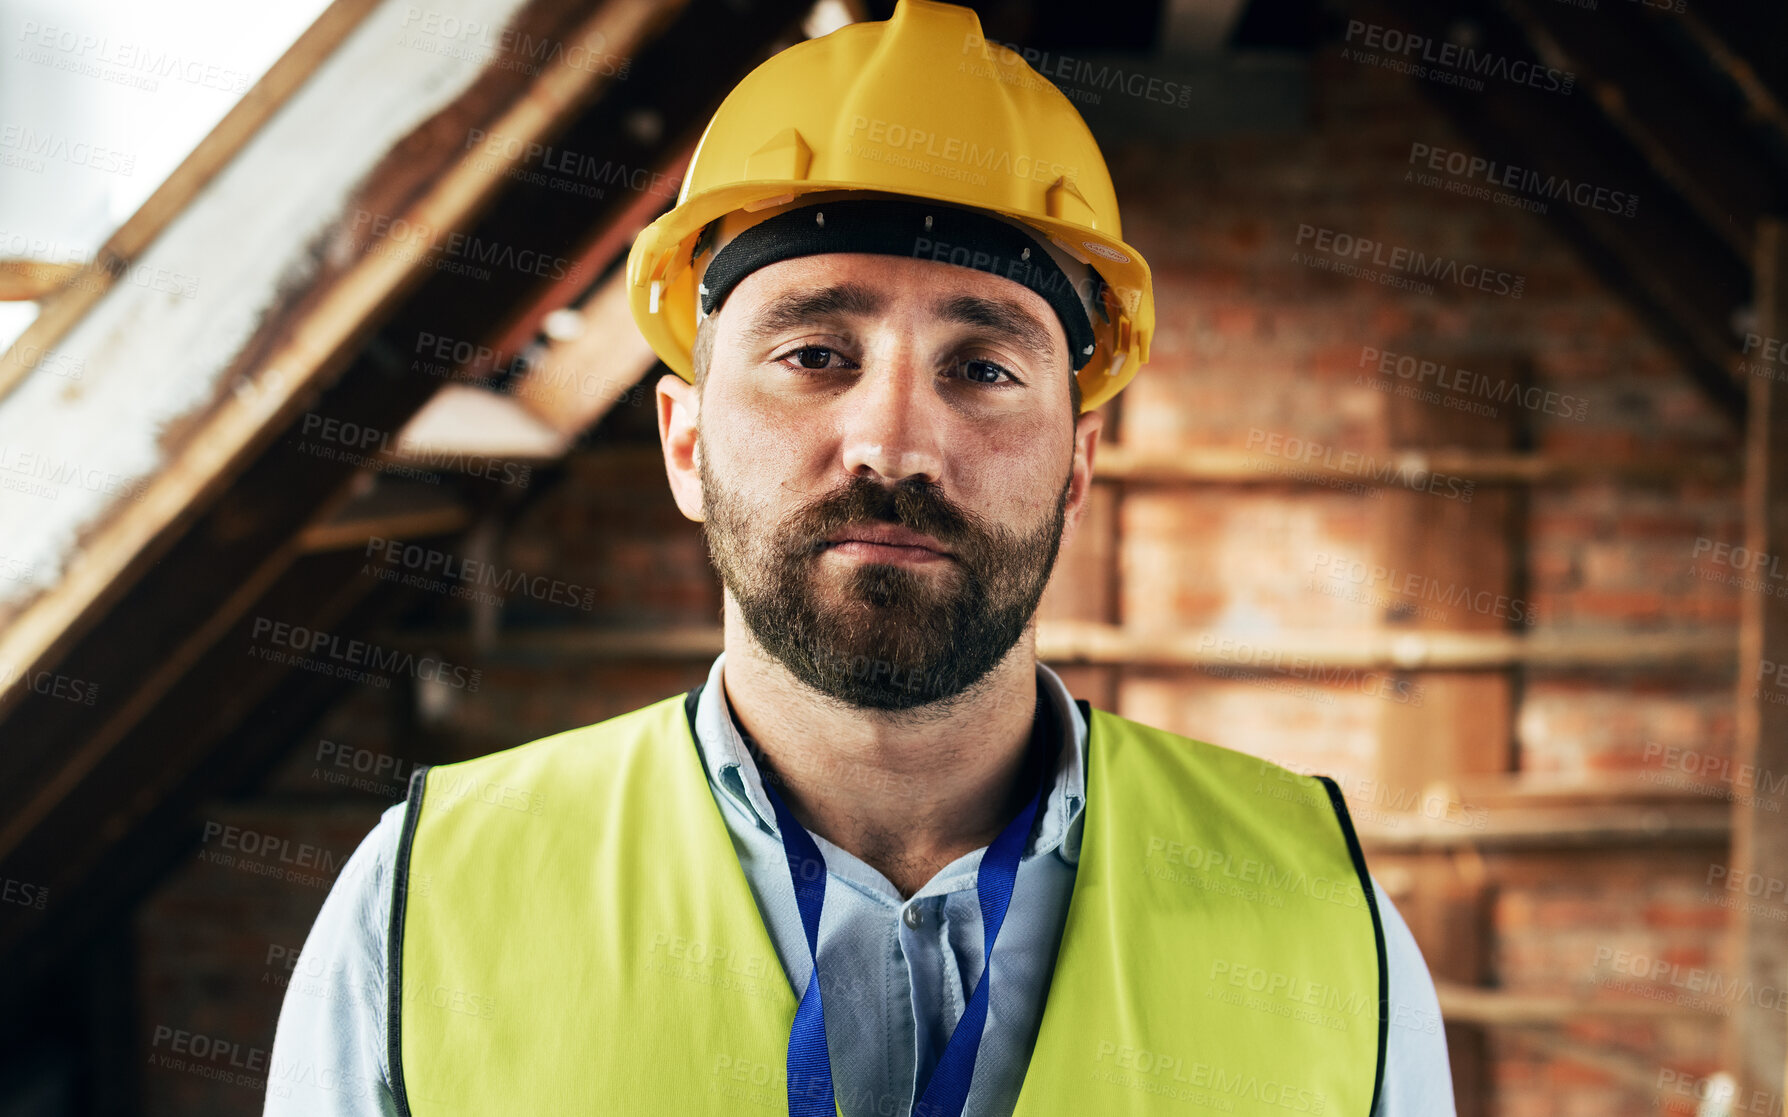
x=880 y=862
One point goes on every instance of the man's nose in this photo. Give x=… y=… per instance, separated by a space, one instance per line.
x=892 y=421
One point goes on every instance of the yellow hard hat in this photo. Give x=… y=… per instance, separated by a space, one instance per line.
x=921 y=106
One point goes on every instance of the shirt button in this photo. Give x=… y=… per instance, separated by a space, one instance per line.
x=913 y=917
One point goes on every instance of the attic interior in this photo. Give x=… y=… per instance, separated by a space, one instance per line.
x=265 y=422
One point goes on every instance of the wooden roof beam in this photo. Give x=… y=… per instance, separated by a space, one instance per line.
x=1684 y=280
x=1696 y=144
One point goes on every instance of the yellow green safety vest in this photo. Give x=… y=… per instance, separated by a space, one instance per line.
x=572 y=933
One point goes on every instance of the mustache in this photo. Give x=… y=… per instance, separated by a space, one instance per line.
x=918 y=505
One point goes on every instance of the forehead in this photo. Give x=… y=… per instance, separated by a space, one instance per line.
x=897 y=286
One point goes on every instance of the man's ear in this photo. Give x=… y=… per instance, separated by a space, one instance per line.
x=679 y=411
x=1080 y=477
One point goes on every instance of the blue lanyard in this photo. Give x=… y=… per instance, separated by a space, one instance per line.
x=809 y=1064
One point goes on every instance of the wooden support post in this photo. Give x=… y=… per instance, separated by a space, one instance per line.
x=1758 y=947
x=1445 y=548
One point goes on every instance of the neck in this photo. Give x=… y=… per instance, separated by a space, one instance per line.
x=907 y=791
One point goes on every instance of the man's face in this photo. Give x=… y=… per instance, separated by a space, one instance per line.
x=852 y=396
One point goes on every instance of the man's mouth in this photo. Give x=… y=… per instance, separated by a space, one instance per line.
x=886 y=543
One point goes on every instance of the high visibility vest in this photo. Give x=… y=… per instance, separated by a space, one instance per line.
x=572 y=933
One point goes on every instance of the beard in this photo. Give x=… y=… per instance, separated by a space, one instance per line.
x=878 y=635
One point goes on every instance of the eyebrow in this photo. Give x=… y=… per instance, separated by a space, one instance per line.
x=800 y=308
x=1000 y=317
x=854 y=300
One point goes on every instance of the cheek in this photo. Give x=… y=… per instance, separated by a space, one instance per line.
x=767 y=460
x=1015 y=476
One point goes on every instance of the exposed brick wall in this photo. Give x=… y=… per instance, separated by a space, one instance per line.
x=1251 y=344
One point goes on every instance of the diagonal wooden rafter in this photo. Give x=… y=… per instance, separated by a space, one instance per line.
x=1698 y=145
x=1687 y=280
x=1745 y=43
x=82 y=782
x=77 y=292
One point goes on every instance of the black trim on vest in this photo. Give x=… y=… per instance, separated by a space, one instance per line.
x=1384 y=977
x=394 y=960
x=690 y=701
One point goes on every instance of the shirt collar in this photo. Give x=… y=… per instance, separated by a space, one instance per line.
x=731 y=768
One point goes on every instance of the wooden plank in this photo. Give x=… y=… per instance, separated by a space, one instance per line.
x=1496 y=1008
x=576 y=382
x=58 y=771
x=387 y=510
x=1465 y=721
x=1756 y=1045
x=238 y=126
x=309 y=351
x=1746 y=43
x=462 y=422
x=1663 y=825
x=1706 y=155
x=97 y=880
x=1301 y=654
x=1632 y=1072
x=1083 y=643
x=1301 y=463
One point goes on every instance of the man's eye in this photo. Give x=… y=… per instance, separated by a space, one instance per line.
x=814 y=357
x=981 y=372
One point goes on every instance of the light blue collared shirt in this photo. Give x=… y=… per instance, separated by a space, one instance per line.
x=895 y=973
